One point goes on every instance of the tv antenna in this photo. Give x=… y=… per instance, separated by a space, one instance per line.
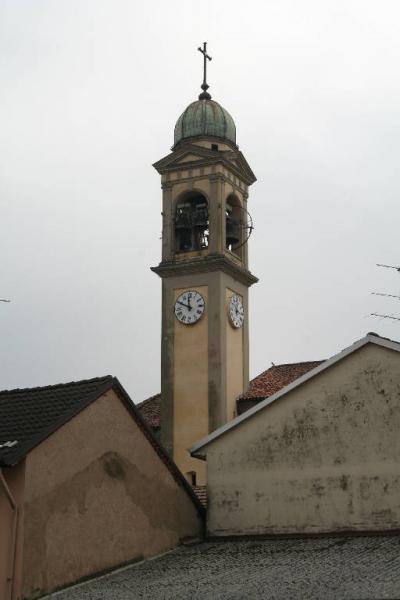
x=388 y=266
x=386 y=316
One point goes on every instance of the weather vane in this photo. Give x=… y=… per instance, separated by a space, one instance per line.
x=204 y=94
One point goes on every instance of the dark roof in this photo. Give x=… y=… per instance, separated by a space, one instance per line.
x=275 y=378
x=150 y=410
x=29 y=416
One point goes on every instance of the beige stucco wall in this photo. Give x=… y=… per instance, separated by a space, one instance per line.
x=8 y=518
x=203 y=366
x=191 y=388
x=324 y=457
x=234 y=361
x=12 y=481
x=97 y=495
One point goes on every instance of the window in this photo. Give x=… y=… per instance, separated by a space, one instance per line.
x=192 y=478
x=191 y=223
x=214 y=147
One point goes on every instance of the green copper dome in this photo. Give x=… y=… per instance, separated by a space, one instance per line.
x=205 y=117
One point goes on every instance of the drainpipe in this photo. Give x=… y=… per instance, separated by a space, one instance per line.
x=13 y=504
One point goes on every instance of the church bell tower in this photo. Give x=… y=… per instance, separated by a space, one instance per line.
x=205 y=278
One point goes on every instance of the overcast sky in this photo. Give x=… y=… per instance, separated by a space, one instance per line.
x=90 y=92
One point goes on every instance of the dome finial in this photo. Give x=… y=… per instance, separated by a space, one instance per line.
x=204 y=94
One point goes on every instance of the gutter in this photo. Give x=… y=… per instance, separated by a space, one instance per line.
x=12 y=550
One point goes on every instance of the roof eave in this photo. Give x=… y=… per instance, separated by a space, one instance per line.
x=60 y=422
x=198 y=449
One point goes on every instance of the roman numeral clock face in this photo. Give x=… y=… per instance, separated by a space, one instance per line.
x=236 y=311
x=189 y=307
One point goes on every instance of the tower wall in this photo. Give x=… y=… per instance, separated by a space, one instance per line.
x=205 y=365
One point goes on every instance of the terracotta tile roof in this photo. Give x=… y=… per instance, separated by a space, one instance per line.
x=267 y=383
x=277 y=377
x=150 y=410
x=201 y=493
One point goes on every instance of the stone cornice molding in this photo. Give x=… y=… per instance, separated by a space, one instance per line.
x=205 y=264
x=234 y=161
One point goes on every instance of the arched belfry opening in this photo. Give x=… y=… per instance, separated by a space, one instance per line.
x=191 y=223
x=233 y=225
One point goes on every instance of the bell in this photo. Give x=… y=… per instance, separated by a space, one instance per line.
x=232 y=231
x=182 y=220
x=200 y=218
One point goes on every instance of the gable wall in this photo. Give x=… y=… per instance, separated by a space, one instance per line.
x=11 y=530
x=324 y=457
x=98 y=495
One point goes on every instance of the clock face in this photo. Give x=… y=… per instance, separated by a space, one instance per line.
x=236 y=311
x=189 y=307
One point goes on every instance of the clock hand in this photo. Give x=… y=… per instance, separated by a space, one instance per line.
x=183 y=304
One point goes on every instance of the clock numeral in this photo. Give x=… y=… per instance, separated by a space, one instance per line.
x=189 y=307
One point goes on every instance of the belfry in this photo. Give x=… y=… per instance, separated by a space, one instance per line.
x=205 y=278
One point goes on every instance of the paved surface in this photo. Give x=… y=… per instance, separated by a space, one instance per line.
x=345 y=568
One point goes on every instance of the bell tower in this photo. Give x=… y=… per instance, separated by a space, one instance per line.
x=205 y=278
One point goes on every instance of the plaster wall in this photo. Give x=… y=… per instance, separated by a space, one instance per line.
x=234 y=361
x=98 y=495
x=191 y=387
x=203 y=366
x=323 y=457
x=11 y=530
x=7 y=537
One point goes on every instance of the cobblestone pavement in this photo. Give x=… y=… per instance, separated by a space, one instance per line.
x=336 y=568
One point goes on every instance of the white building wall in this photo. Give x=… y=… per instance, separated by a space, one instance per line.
x=324 y=457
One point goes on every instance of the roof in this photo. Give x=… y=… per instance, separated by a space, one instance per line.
x=29 y=416
x=267 y=383
x=205 y=118
x=150 y=410
x=328 y=567
x=197 y=449
x=275 y=378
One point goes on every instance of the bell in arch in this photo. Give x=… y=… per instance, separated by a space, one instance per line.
x=232 y=226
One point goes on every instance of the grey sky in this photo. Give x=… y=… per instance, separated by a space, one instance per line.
x=91 y=91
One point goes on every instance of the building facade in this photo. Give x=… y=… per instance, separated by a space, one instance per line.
x=321 y=455
x=84 y=487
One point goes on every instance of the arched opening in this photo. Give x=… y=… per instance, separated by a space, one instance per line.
x=191 y=223
x=233 y=224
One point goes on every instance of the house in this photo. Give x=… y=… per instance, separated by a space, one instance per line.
x=322 y=454
x=84 y=487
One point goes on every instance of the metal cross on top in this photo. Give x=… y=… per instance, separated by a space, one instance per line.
x=204 y=95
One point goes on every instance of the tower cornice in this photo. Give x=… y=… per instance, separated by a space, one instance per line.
x=233 y=160
x=205 y=264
